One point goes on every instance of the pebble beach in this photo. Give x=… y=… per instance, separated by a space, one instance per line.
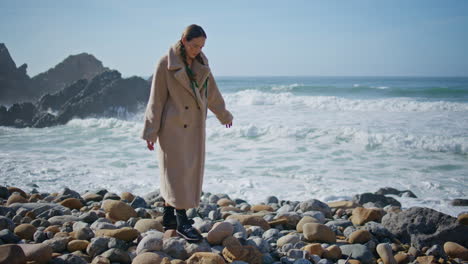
x=102 y=227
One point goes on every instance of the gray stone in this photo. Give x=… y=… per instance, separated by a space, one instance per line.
x=138 y=202
x=97 y=246
x=359 y=252
x=238 y=227
x=298 y=254
x=84 y=233
x=378 y=230
x=117 y=243
x=117 y=255
x=271 y=235
x=436 y=251
x=271 y=199
x=58 y=244
x=152 y=242
x=4 y=193
x=255 y=231
x=70 y=193
x=203 y=226
x=38 y=208
x=215 y=215
x=389 y=190
x=379 y=200
x=285 y=208
x=302 y=261
x=175 y=247
x=324 y=261
x=320 y=216
x=89 y=217
x=6 y=223
x=259 y=243
x=73 y=259
x=348 y=231
x=213 y=199
x=339 y=222
x=111 y=196
x=192 y=213
x=61 y=219
x=314 y=205
x=425 y=227
x=205 y=209
x=9 y=237
x=202 y=246
x=39 y=236
x=102 y=225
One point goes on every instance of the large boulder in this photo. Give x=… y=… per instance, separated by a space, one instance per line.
x=425 y=227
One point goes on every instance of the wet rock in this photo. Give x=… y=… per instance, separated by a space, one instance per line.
x=425 y=227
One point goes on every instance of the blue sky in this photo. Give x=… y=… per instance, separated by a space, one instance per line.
x=247 y=38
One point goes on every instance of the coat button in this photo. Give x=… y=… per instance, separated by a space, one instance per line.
x=186 y=107
x=185 y=126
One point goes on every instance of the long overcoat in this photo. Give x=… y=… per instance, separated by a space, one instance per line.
x=175 y=118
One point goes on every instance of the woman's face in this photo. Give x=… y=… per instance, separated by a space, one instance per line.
x=194 y=46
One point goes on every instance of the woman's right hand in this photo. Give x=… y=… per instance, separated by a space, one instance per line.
x=150 y=145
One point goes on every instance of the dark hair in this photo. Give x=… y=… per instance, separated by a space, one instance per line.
x=191 y=32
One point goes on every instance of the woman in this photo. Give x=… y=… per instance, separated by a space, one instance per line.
x=182 y=90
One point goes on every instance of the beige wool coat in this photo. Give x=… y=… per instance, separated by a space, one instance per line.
x=175 y=118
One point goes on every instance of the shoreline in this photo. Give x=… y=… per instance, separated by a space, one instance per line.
x=104 y=227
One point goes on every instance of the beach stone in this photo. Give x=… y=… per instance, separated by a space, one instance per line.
x=455 y=250
x=343 y=205
x=425 y=227
x=40 y=253
x=436 y=251
x=271 y=199
x=6 y=223
x=70 y=259
x=39 y=236
x=385 y=252
x=219 y=232
x=332 y=252
x=97 y=246
x=4 y=193
x=359 y=252
x=271 y=235
x=317 y=215
x=318 y=232
x=258 y=242
x=75 y=245
x=12 y=190
x=463 y=219
x=170 y=233
x=12 y=254
x=152 y=242
x=205 y=257
x=426 y=260
x=360 y=237
x=62 y=219
x=378 y=200
x=118 y=210
x=9 y=237
x=402 y=258
x=292 y=239
x=139 y=202
x=125 y=233
x=100 y=260
x=315 y=205
x=117 y=255
x=249 y=254
x=175 y=247
x=147 y=258
x=225 y=202
x=16 y=198
x=127 y=196
x=255 y=231
x=314 y=249
x=229 y=209
x=72 y=203
x=39 y=208
x=302 y=261
x=378 y=230
x=291 y=219
x=304 y=220
x=102 y=225
x=389 y=190
x=362 y=215
x=25 y=231
x=298 y=254
x=89 y=196
x=144 y=225
x=84 y=233
x=58 y=244
x=261 y=207
x=251 y=220
x=203 y=225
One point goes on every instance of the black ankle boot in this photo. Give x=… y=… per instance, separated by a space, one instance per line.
x=185 y=228
x=169 y=218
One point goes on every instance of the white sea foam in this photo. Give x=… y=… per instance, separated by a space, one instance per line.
x=285 y=87
x=333 y=103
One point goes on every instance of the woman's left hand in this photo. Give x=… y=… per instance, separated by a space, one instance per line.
x=229 y=125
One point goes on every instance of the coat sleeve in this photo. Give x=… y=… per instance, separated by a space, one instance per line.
x=156 y=102
x=216 y=102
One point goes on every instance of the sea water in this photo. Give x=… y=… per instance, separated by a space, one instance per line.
x=297 y=138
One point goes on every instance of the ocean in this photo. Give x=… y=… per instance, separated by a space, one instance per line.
x=297 y=138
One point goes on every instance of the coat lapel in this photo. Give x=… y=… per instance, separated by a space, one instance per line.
x=202 y=71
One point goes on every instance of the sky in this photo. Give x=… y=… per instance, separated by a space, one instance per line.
x=246 y=38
